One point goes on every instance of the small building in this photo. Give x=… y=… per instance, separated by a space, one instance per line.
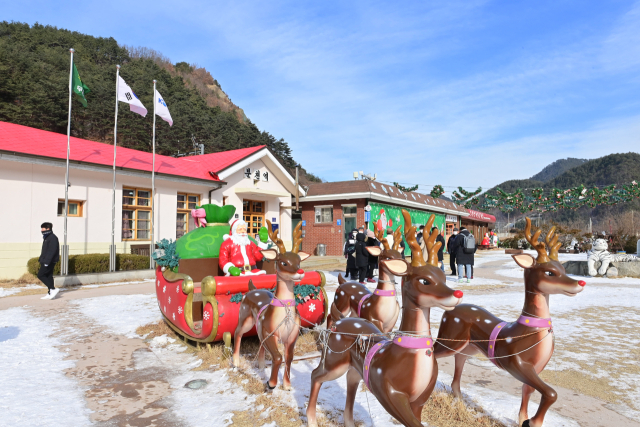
x=331 y=210
x=32 y=175
x=478 y=223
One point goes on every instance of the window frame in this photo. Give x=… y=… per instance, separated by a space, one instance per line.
x=80 y=212
x=185 y=210
x=315 y=214
x=136 y=209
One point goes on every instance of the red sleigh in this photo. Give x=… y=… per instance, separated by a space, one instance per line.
x=205 y=309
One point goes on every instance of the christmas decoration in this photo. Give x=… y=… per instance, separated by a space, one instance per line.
x=405 y=189
x=437 y=191
x=166 y=255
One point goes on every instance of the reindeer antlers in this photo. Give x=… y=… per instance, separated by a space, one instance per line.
x=397 y=238
x=432 y=247
x=538 y=246
x=273 y=235
x=410 y=235
x=553 y=244
x=382 y=239
x=297 y=238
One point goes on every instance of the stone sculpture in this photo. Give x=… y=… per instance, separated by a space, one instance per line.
x=599 y=252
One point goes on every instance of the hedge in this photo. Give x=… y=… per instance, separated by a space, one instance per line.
x=95 y=263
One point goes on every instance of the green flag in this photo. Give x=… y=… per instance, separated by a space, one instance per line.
x=78 y=87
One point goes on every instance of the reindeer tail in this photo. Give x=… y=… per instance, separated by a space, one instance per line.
x=341 y=279
x=252 y=287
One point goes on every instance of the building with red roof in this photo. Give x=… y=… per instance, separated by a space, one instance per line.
x=32 y=173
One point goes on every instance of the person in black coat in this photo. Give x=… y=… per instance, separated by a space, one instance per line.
x=373 y=260
x=49 y=256
x=451 y=250
x=362 y=257
x=463 y=259
x=440 y=239
x=349 y=253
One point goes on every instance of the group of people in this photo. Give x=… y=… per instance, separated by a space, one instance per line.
x=461 y=246
x=361 y=265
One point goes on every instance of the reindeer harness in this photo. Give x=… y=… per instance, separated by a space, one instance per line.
x=379 y=292
x=404 y=341
x=532 y=322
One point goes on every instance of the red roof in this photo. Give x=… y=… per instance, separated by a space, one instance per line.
x=481 y=216
x=37 y=142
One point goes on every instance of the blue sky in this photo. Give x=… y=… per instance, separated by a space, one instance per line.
x=467 y=93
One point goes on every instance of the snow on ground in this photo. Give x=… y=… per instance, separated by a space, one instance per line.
x=121 y=314
x=5 y=292
x=34 y=390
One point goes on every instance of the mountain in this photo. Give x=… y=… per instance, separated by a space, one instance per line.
x=557 y=168
x=616 y=169
x=34 y=81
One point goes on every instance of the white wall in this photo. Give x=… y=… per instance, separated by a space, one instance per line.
x=29 y=196
x=273 y=203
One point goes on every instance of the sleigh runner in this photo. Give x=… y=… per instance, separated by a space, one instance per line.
x=200 y=303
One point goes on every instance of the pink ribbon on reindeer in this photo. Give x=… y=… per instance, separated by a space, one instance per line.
x=199 y=215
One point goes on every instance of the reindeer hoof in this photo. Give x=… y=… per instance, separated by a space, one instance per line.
x=525 y=423
x=269 y=388
x=287 y=387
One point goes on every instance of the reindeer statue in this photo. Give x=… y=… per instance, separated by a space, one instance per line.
x=522 y=348
x=381 y=306
x=401 y=373
x=275 y=315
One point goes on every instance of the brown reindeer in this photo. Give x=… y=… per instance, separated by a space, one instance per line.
x=401 y=373
x=522 y=348
x=275 y=315
x=380 y=306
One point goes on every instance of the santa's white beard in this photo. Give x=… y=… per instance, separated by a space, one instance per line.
x=240 y=239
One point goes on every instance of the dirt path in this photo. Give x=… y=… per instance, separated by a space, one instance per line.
x=122 y=394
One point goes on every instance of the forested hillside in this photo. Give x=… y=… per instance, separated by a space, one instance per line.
x=612 y=169
x=557 y=168
x=34 y=81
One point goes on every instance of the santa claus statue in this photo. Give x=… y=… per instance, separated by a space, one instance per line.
x=238 y=254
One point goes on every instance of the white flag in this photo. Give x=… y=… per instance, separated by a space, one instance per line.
x=125 y=94
x=162 y=110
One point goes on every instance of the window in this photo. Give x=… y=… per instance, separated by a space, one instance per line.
x=136 y=214
x=186 y=202
x=253 y=214
x=324 y=214
x=74 y=207
x=350 y=210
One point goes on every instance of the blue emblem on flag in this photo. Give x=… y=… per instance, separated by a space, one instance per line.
x=161 y=101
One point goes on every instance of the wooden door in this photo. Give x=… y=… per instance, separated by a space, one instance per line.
x=253 y=215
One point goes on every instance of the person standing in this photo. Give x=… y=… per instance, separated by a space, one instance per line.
x=362 y=257
x=440 y=239
x=465 y=248
x=373 y=260
x=451 y=249
x=349 y=254
x=49 y=256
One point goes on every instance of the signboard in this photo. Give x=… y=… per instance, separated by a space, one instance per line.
x=247 y=172
x=304 y=223
x=273 y=220
x=338 y=222
x=256 y=175
x=367 y=216
x=480 y=216
x=265 y=176
x=452 y=218
x=386 y=216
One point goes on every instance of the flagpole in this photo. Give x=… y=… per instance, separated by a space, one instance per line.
x=153 y=179
x=112 y=248
x=64 y=267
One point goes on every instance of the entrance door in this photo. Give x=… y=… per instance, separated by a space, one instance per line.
x=349 y=213
x=253 y=214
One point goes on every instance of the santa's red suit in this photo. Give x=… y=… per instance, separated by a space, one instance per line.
x=245 y=257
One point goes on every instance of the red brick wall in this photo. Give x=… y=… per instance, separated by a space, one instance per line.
x=328 y=234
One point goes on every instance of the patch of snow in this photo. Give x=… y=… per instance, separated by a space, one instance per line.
x=34 y=390
x=5 y=292
x=121 y=314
